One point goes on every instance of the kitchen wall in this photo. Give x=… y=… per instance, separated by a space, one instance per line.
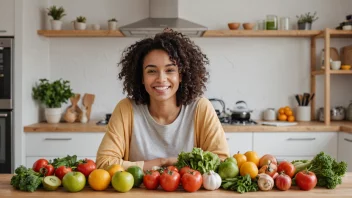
x=265 y=72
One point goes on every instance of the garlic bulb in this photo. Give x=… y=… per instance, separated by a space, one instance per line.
x=211 y=180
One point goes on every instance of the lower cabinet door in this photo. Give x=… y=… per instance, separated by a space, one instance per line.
x=239 y=141
x=30 y=160
x=345 y=148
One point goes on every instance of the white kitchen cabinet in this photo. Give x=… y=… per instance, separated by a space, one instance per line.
x=239 y=141
x=60 y=144
x=345 y=148
x=7 y=17
x=295 y=144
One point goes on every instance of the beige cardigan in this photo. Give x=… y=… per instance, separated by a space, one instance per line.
x=115 y=146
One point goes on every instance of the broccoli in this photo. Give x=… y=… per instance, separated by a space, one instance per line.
x=26 y=179
x=329 y=172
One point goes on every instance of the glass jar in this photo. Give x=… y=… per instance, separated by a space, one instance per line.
x=284 y=23
x=349 y=112
x=260 y=25
x=271 y=22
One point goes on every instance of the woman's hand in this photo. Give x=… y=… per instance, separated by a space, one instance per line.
x=148 y=165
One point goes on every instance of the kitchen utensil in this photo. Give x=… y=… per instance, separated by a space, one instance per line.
x=222 y=115
x=279 y=123
x=336 y=113
x=88 y=101
x=303 y=113
x=306 y=99
x=72 y=112
x=269 y=114
x=241 y=111
x=298 y=100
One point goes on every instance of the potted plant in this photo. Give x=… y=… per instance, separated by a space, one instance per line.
x=80 y=23
x=305 y=21
x=112 y=23
x=56 y=14
x=52 y=95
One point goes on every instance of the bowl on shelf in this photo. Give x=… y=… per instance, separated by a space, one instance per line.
x=346 y=67
x=234 y=26
x=248 y=26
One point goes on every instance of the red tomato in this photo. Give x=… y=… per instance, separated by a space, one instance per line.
x=47 y=170
x=151 y=180
x=288 y=168
x=283 y=182
x=169 y=180
x=61 y=171
x=86 y=167
x=306 y=180
x=269 y=169
x=40 y=163
x=185 y=170
x=192 y=181
x=172 y=168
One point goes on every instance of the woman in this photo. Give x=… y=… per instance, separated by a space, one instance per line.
x=164 y=114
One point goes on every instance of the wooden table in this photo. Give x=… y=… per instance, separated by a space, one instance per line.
x=344 y=190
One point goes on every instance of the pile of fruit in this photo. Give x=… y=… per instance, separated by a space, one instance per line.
x=285 y=114
x=241 y=173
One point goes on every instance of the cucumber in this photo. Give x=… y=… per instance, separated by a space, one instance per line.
x=51 y=183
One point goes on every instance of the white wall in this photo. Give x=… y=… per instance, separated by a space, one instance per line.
x=265 y=72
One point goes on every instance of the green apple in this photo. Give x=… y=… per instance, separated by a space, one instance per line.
x=74 y=181
x=231 y=159
x=51 y=182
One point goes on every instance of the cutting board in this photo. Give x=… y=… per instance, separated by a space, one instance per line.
x=72 y=112
x=346 y=55
x=88 y=100
x=279 y=123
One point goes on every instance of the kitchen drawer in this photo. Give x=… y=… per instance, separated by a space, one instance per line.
x=30 y=160
x=345 y=148
x=62 y=144
x=295 y=143
x=239 y=141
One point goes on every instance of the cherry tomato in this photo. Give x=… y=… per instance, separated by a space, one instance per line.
x=86 y=167
x=151 y=179
x=47 y=170
x=192 y=181
x=184 y=170
x=40 y=163
x=61 y=171
x=169 y=180
x=288 y=168
x=283 y=182
x=306 y=180
x=172 y=168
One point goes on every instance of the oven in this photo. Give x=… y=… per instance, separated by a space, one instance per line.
x=6 y=105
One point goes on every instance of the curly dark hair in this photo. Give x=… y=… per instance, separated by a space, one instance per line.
x=181 y=50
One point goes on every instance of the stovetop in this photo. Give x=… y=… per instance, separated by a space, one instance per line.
x=241 y=122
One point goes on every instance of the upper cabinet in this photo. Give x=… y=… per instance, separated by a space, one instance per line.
x=7 y=17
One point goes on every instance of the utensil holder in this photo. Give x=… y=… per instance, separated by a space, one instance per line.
x=303 y=113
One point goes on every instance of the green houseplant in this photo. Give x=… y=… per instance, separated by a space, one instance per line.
x=56 y=13
x=80 y=23
x=52 y=95
x=112 y=24
x=305 y=20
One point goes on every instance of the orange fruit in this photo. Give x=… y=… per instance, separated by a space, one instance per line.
x=281 y=111
x=291 y=118
x=282 y=117
x=99 y=179
x=112 y=169
x=249 y=168
x=287 y=108
x=252 y=157
x=288 y=112
x=240 y=158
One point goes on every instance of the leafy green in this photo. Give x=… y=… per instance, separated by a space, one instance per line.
x=240 y=184
x=329 y=172
x=203 y=161
x=26 y=179
x=70 y=161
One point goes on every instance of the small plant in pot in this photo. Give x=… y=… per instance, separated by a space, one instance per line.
x=112 y=24
x=305 y=21
x=52 y=95
x=80 y=23
x=56 y=14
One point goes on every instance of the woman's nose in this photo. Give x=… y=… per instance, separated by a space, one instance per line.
x=162 y=76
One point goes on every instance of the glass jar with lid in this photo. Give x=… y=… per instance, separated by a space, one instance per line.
x=349 y=112
x=271 y=22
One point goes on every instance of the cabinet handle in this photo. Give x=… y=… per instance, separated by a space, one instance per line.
x=3 y=31
x=3 y=115
x=58 y=139
x=348 y=140
x=301 y=139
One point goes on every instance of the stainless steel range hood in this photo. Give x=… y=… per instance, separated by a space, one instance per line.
x=163 y=14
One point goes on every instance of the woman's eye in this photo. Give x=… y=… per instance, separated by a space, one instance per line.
x=151 y=71
x=170 y=70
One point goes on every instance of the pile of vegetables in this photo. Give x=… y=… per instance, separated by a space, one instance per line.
x=26 y=179
x=328 y=171
x=202 y=161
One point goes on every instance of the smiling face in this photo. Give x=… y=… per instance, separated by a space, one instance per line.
x=161 y=76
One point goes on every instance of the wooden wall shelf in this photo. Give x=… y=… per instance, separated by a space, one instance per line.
x=337 y=33
x=80 y=33
x=322 y=72
x=261 y=33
